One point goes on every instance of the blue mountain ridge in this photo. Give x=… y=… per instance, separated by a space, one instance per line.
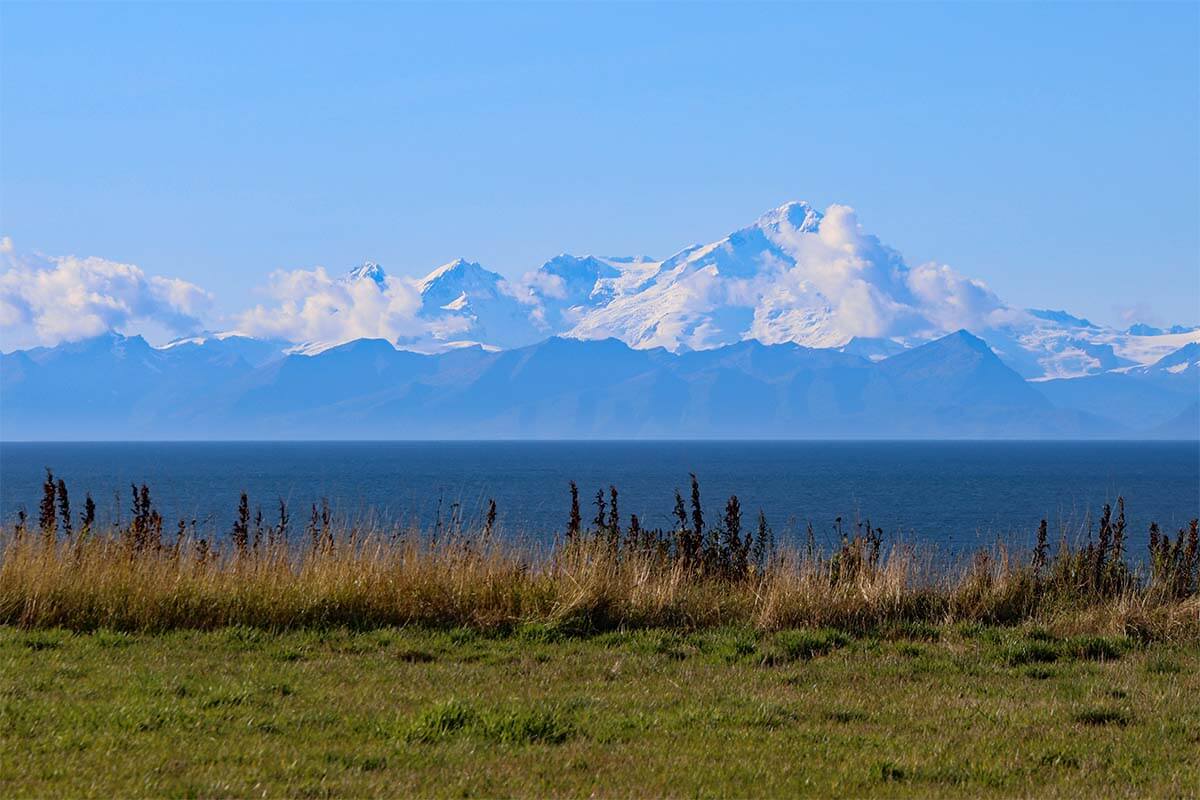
x=119 y=387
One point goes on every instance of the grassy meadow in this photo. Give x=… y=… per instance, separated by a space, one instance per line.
x=331 y=661
x=963 y=710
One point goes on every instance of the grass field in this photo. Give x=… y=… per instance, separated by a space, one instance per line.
x=699 y=661
x=925 y=710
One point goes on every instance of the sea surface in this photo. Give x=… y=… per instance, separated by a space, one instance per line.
x=952 y=494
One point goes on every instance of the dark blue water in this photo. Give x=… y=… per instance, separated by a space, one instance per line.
x=955 y=494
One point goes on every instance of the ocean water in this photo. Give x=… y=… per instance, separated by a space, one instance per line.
x=952 y=494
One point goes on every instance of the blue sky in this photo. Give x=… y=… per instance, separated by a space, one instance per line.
x=1052 y=151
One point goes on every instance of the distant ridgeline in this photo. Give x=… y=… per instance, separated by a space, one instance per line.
x=116 y=387
x=798 y=325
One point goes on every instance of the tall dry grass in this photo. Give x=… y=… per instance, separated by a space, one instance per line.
x=698 y=574
x=364 y=580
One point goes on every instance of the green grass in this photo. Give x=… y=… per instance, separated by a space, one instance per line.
x=932 y=711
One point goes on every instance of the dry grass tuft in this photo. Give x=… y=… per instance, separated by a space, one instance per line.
x=697 y=575
x=368 y=581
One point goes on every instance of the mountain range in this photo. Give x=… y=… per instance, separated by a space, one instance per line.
x=118 y=387
x=800 y=325
x=795 y=275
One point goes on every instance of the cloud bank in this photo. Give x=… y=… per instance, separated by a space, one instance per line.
x=869 y=288
x=48 y=300
x=311 y=306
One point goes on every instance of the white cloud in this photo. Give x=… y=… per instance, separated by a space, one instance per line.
x=47 y=300
x=872 y=292
x=310 y=306
x=953 y=301
x=862 y=280
x=544 y=284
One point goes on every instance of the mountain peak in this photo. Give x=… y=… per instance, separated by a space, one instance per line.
x=1142 y=329
x=566 y=265
x=796 y=215
x=1179 y=360
x=109 y=341
x=963 y=337
x=1060 y=316
x=949 y=349
x=459 y=267
x=368 y=270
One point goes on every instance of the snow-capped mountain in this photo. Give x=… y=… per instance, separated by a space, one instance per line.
x=1184 y=361
x=567 y=288
x=795 y=275
x=465 y=304
x=459 y=304
x=1141 y=329
x=745 y=286
x=369 y=271
x=801 y=324
x=1140 y=397
x=232 y=345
